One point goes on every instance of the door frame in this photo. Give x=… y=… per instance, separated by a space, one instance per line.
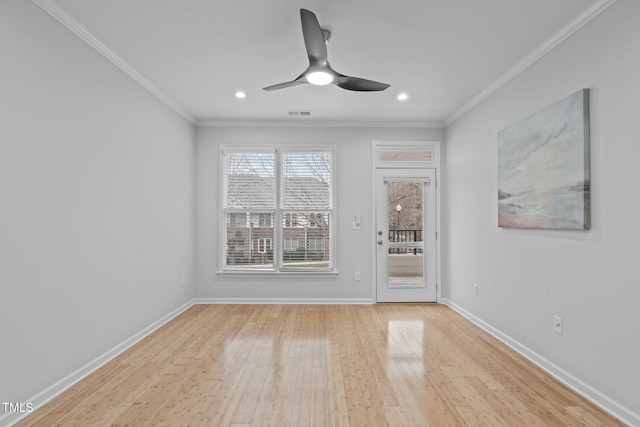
x=380 y=161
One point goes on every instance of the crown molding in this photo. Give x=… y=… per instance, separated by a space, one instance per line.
x=311 y=123
x=52 y=9
x=65 y=19
x=575 y=24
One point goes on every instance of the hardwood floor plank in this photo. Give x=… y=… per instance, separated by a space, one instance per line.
x=319 y=365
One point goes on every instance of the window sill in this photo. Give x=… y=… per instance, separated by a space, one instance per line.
x=277 y=274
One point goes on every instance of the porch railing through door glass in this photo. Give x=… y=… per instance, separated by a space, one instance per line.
x=405 y=236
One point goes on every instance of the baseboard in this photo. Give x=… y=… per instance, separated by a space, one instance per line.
x=588 y=392
x=283 y=301
x=54 y=390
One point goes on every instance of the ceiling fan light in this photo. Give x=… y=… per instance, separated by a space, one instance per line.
x=319 y=78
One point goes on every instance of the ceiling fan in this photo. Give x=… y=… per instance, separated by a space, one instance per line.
x=319 y=72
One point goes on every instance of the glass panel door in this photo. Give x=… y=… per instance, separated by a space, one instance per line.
x=405 y=239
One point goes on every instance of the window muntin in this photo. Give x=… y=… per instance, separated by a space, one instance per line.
x=279 y=212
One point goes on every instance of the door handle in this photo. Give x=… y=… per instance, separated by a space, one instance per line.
x=380 y=242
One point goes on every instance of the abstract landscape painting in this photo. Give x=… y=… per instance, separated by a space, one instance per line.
x=543 y=168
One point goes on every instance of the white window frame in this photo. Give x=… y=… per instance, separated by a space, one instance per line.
x=279 y=213
x=315 y=244
x=264 y=244
x=265 y=220
x=289 y=244
x=291 y=220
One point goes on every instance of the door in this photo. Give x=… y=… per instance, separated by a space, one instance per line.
x=406 y=235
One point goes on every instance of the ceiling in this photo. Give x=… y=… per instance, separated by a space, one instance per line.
x=195 y=54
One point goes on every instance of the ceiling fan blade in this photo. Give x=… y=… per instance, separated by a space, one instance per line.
x=358 y=84
x=284 y=85
x=313 y=37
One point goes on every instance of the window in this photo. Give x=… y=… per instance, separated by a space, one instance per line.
x=316 y=244
x=316 y=220
x=290 y=244
x=278 y=209
x=264 y=245
x=264 y=219
x=290 y=220
x=238 y=219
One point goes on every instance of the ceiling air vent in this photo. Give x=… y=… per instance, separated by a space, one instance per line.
x=299 y=113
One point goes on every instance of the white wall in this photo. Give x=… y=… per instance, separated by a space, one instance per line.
x=97 y=210
x=355 y=193
x=96 y=204
x=589 y=278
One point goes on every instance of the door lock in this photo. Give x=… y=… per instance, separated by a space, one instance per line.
x=380 y=233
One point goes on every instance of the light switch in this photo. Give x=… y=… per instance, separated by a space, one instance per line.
x=356 y=221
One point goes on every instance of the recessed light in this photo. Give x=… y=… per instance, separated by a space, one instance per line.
x=240 y=94
x=402 y=97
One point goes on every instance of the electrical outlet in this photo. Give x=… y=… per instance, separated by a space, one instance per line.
x=557 y=324
x=475 y=289
x=357 y=275
x=183 y=281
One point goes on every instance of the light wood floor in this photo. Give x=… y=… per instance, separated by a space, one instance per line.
x=332 y=365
